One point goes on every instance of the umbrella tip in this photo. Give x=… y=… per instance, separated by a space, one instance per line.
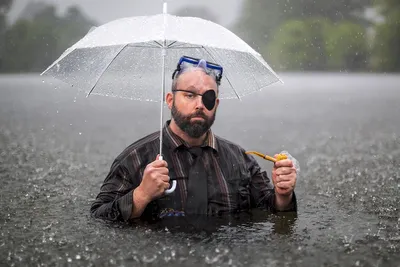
x=165 y=8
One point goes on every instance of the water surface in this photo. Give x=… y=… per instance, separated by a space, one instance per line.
x=56 y=147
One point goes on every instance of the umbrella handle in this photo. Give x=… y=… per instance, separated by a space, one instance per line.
x=172 y=189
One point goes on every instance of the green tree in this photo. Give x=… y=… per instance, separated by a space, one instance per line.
x=318 y=44
x=346 y=47
x=299 y=45
x=260 y=18
x=4 y=8
x=337 y=10
x=386 y=50
x=32 y=45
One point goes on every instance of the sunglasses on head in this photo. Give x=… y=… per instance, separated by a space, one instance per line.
x=208 y=98
x=190 y=62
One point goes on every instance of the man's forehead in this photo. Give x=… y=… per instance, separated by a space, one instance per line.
x=197 y=78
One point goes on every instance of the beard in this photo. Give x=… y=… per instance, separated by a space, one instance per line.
x=194 y=129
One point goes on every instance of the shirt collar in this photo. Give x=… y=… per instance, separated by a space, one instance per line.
x=174 y=141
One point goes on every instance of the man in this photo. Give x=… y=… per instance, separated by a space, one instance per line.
x=214 y=176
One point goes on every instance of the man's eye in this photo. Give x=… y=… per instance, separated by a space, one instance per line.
x=190 y=96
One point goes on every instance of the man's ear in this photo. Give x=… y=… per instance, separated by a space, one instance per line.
x=169 y=98
x=216 y=103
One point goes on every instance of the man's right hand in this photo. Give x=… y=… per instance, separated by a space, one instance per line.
x=155 y=180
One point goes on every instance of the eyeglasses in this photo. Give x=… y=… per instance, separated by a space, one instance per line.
x=208 y=98
x=210 y=68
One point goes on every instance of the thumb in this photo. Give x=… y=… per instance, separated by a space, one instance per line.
x=158 y=157
x=276 y=157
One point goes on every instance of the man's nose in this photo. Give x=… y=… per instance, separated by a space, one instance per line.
x=199 y=102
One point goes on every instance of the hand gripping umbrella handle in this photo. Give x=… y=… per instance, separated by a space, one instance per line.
x=172 y=189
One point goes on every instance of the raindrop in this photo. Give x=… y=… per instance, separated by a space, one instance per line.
x=78 y=257
x=80 y=133
x=69 y=260
x=42 y=81
x=149 y=260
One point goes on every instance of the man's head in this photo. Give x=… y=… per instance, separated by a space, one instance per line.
x=193 y=106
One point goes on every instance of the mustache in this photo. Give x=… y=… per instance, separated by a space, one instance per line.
x=198 y=114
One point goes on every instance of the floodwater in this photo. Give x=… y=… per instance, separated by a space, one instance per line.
x=56 y=147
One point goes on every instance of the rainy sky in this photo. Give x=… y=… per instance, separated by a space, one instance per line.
x=103 y=11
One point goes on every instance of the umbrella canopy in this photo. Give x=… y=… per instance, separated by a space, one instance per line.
x=123 y=58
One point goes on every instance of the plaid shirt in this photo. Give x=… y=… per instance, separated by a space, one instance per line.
x=235 y=181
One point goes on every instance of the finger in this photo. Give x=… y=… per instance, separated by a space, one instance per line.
x=165 y=178
x=161 y=170
x=284 y=163
x=166 y=186
x=284 y=185
x=284 y=170
x=159 y=163
x=286 y=178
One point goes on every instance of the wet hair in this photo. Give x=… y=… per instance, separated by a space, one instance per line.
x=211 y=74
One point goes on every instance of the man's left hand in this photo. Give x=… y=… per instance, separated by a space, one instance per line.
x=284 y=176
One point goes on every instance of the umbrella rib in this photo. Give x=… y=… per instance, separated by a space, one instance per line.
x=160 y=45
x=144 y=46
x=91 y=90
x=181 y=46
x=171 y=44
x=215 y=60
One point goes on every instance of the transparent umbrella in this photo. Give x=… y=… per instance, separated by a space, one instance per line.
x=124 y=58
